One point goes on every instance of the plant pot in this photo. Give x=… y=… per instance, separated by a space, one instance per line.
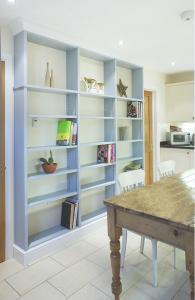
x=49 y=168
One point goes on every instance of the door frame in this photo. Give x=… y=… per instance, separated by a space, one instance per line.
x=149 y=178
x=156 y=132
x=2 y=164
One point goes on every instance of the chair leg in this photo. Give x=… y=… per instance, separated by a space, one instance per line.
x=124 y=245
x=174 y=258
x=154 y=263
x=142 y=244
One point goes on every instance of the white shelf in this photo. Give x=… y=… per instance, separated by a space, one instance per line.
x=44 y=89
x=47 y=235
x=51 y=116
x=129 y=99
x=62 y=171
x=96 y=117
x=129 y=158
x=129 y=118
x=130 y=141
x=96 y=144
x=96 y=184
x=52 y=147
x=86 y=94
x=97 y=165
x=48 y=198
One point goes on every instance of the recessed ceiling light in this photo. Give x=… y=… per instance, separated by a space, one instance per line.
x=187 y=15
x=121 y=43
x=173 y=63
x=11 y=1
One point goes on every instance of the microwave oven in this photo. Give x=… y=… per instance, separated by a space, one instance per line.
x=178 y=138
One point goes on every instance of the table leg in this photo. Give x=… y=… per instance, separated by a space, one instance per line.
x=190 y=267
x=114 y=233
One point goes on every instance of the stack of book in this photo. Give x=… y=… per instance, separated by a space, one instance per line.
x=134 y=109
x=106 y=153
x=66 y=133
x=69 y=214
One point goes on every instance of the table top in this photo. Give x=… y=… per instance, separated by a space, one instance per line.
x=170 y=199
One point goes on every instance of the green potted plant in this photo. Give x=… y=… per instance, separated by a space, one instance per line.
x=48 y=165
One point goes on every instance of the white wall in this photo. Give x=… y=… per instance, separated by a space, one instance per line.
x=6 y=54
x=154 y=81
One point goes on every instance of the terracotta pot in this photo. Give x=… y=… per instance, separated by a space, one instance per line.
x=49 y=168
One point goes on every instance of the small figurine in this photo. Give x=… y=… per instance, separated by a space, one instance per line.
x=122 y=89
x=131 y=110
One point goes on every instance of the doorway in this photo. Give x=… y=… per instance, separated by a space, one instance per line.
x=2 y=161
x=148 y=132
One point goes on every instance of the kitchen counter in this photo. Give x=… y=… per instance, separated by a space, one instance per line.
x=166 y=145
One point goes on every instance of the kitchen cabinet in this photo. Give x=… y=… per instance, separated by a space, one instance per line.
x=180 y=102
x=184 y=158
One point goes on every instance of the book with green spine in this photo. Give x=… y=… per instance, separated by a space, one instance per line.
x=63 y=132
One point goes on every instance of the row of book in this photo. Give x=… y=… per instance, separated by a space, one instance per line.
x=106 y=153
x=66 y=133
x=134 y=109
x=69 y=214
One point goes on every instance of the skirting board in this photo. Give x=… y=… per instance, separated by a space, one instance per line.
x=56 y=244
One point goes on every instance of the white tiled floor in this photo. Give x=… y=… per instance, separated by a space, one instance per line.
x=82 y=271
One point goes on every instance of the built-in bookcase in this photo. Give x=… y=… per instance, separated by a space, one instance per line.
x=39 y=196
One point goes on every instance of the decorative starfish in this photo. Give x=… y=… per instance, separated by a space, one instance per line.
x=122 y=89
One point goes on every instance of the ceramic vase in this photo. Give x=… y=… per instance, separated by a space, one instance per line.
x=47 y=76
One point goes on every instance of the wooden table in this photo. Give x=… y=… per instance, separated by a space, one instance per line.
x=163 y=211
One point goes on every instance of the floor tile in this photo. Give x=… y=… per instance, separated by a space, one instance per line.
x=34 y=275
x=169 y=282
x=134 y=241
x=43 y=291
x=73 y=254
x=180 y=259
x=182 y=296
x=9 y=268
x=162 y=250
x=6 y=292
x=74 y=278
x=135 y=294
x=98 y=238
x=129 y=277
x=89 y=292
x=186 y=287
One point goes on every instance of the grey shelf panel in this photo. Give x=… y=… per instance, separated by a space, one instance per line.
x=86 y=94
x=51 y=116
x=96 y=184
x=62 y=171
x=97 y=118
x=94 y=215
x=131 y=141
x=97 y=165
x=52 y=147
x=44 y=89
x=129 y=99
x=48 y=198
x=129 y=158
x=96 y=143
x=47 y=235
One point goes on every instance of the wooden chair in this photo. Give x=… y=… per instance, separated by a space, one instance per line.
x=167 y=168
x=128 y=181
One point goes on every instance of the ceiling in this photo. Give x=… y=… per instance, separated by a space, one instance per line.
x=152 y=31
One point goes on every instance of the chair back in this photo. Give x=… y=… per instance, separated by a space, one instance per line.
x=131 y=180
x=166 y=168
